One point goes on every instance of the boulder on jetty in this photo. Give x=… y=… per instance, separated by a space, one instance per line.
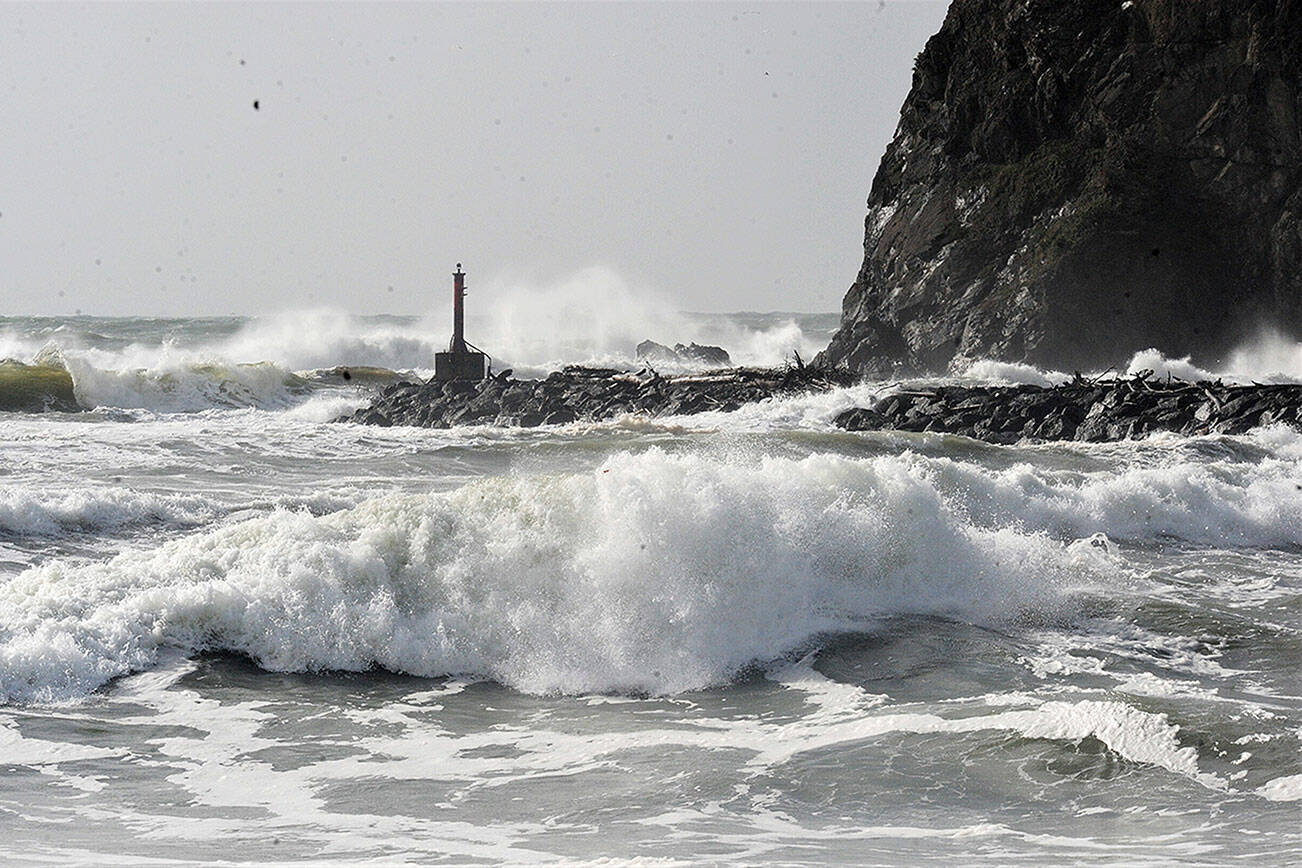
x=580 y=393
x=1084 y=410
x=691 y=354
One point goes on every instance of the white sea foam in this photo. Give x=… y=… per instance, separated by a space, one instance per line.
x=305 y=339
x=1162 y=366
x=184 y=386
x=1212 y=502
x=1268 y=357
x=1285 y=789
x=327 y=407
x=30 y=511
x=653 y=573
x=1012 y=373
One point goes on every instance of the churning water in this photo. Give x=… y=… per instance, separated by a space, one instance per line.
x=232 y=630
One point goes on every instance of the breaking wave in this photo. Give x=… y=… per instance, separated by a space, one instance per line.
x=187 y=387
x=28 y=511
x=653 y=573
x=35 y=387
x=1253 y=499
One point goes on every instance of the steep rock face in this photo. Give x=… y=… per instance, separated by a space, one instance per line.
x=1074 y=181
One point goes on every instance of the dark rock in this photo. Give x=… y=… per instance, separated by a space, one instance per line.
x=1084 y=411
x=560 y=416
x=1072 y=182
x=860 y=419
x=577 y=393
x=650 y=351
x=698 y=354
x=706 y=355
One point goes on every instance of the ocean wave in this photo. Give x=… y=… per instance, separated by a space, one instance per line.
x=35 y=388
x=274 y=361
x=653 y=573
x=1230 y=502
x=186 y=387
x=28 y=511
x=68 y=381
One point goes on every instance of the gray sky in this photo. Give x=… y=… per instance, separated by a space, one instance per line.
x=717 y=154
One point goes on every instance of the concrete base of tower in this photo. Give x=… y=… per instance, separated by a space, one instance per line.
x=460 y=366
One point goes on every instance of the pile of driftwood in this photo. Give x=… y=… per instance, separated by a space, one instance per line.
x=579 y=393
x=1083 y=409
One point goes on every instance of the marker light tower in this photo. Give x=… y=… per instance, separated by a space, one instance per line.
x=462 y=361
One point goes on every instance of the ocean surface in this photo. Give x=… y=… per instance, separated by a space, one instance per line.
x=233 y=631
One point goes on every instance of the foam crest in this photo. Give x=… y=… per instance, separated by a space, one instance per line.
x=1139 y=736
x=1009 y=373
x=1269 y=357
x=28 y=511
x=185 y=386
x=1285 y=789
x=1162 y=366
x=1215 y=503
x=653 y=573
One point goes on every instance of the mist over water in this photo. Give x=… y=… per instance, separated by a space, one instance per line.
x=230 y=626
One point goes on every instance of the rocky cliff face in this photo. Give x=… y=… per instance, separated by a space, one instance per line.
x=1074 y=181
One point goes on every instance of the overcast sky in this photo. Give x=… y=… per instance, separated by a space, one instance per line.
x=718 y=155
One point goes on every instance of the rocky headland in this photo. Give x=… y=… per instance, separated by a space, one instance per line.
x=1085 y=410
x=589 y=394
x=1071 y=182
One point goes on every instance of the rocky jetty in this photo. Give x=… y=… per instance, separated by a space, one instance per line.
x=578 y=393
x=1081 y=410
x=1071 y=182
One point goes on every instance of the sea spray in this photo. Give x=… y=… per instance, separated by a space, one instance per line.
x=595 y=316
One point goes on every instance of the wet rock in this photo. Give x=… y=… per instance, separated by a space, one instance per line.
x=716 y=357
x=650 y=351
x=1083 y=410
x=692 y=354
x=577 y=393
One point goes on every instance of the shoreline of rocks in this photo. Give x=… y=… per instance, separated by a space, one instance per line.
x=590 y=394
x=1081 y=410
